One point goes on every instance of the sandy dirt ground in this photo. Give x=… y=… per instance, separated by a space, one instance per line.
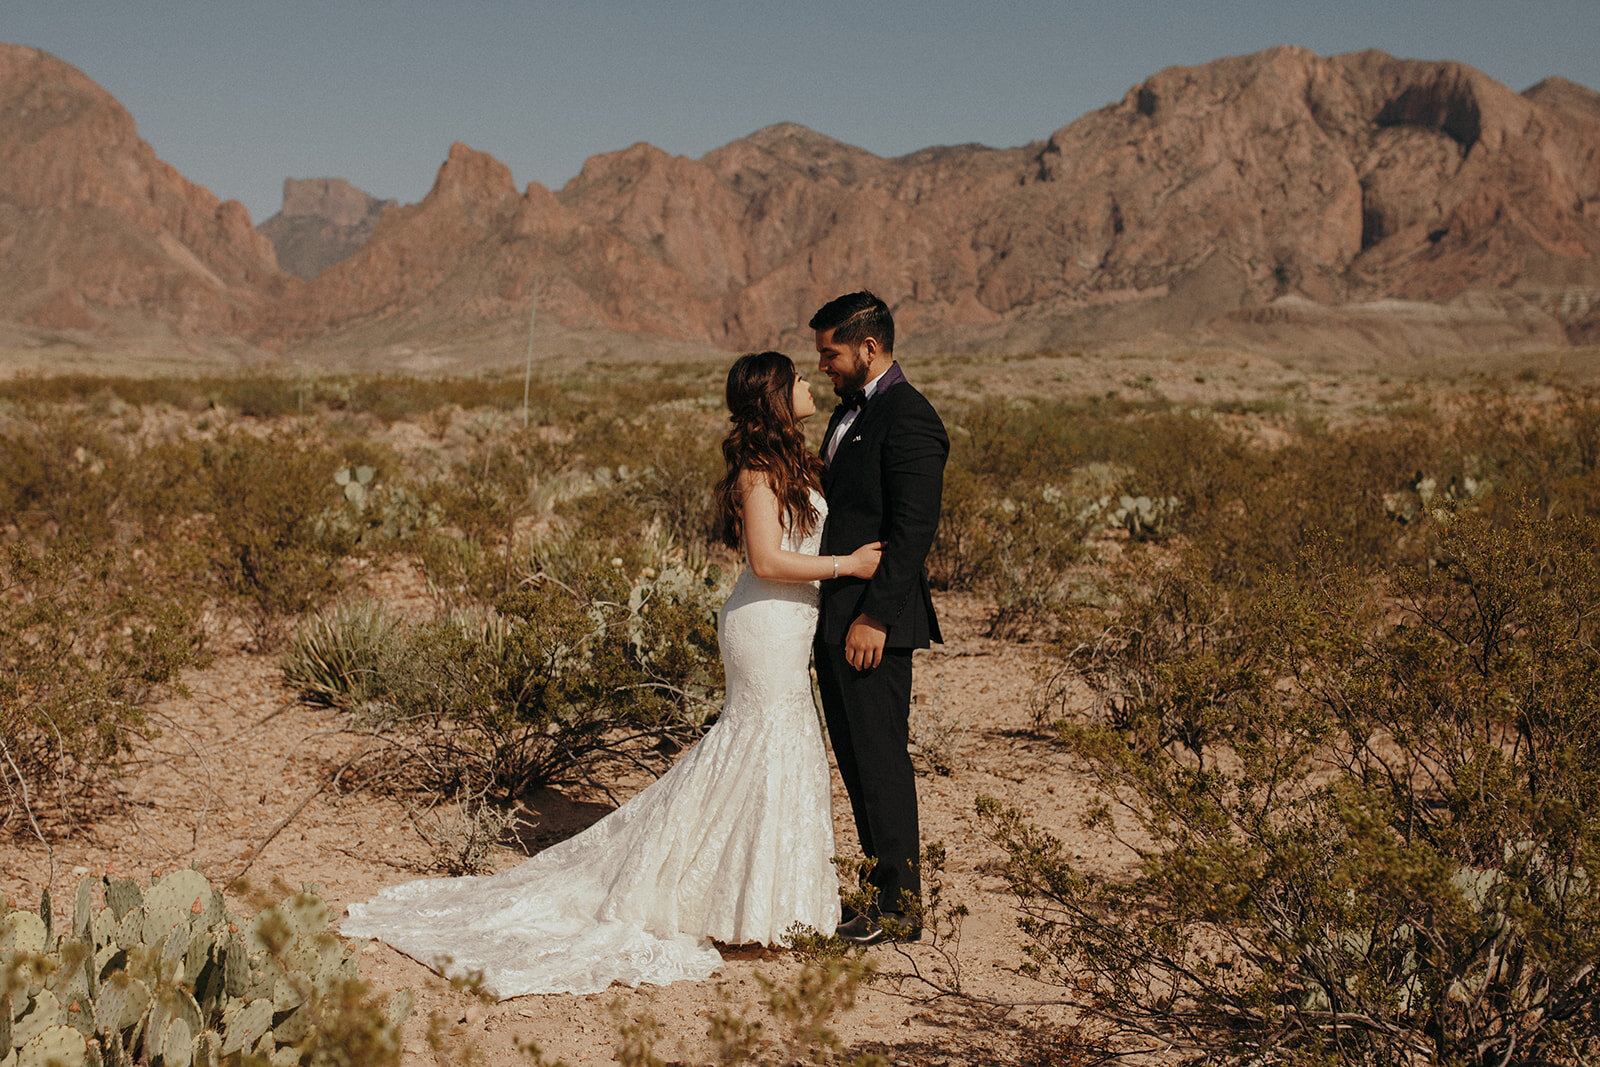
x=238 y=783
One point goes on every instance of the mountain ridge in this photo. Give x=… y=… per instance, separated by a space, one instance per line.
x=1201 y=197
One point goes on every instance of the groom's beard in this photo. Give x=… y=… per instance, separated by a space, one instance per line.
x=854 y=383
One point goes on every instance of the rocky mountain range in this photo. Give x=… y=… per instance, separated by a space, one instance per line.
x=1396 y=206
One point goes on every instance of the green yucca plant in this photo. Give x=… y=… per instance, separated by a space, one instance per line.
x=335 y=656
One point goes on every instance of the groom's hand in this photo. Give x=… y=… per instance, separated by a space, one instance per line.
x=863 y=645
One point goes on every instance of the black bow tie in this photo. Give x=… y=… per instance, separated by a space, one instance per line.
x=853 y=400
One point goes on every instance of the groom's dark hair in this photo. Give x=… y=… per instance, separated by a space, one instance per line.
x=855 y=317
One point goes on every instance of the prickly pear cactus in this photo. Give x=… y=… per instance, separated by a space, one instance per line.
x=122 y=1002
x=83 y=910
x=164 y=975
x=355 y=482
x=122 y=895
x=21 y=931
x=243 y=1027
x=57 y=1046
x=41 y=1015
x=208 y=1049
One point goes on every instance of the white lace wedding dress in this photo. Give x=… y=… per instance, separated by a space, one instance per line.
x=733 y=844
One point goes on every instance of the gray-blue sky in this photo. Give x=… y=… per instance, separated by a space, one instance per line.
x=239 y=94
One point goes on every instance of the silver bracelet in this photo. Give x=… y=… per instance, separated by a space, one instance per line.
x=835 y=565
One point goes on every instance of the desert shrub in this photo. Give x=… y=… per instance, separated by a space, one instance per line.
x=83 y=649
x=1034 y=543
x=661 y=464
x=1364 y=812
x=278 y=525
x=463 y=834
x=962 y=554
x=59 y=475
x=262 y=397
x=167 y=974
x=484 y=495
x=559 y=673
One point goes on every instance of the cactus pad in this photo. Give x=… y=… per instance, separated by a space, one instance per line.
x=160 y=921
x=123 y=999
x=122 y=896
x=44 y=1013
x=235 y=968
x=69 y=980
x=213 y=909
x=399 y=1007
x=22 y=931
x=104 y=928
x=287 y=994
x=79 y=1015
x=174 y=946
x=130 y=928
x=177 y=1049
x=83 y=909
x=243 y=1027
x=178 y=889
x=207 y=1049
x=58 y=1046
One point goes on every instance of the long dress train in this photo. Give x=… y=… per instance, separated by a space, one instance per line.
x=734 y=843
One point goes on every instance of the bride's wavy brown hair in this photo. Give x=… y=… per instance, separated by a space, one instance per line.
x=766 y=437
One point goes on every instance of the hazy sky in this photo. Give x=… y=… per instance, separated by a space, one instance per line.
x=239 y=94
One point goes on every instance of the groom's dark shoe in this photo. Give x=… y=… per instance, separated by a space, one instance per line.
x=891 y=926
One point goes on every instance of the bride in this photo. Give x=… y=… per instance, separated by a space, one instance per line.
x=735 y=842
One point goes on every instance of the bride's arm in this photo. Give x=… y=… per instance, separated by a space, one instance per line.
x=763 y=541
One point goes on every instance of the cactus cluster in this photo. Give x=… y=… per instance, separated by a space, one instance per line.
x=1422 y=498
x=1143 y=517
x=164 y=975
x=354 y=481
x=376 y=513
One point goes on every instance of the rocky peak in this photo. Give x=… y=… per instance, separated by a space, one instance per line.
x=331 y=199
x=788 y=151
x=323 y=221
x=1569 y=98
x=472 y=177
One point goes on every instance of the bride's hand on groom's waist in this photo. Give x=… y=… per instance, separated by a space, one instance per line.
x=863 y=562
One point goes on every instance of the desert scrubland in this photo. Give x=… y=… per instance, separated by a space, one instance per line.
x=1265 y=726
x=1266 y=718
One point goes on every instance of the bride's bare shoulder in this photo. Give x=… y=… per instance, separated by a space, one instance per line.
x=752 y=480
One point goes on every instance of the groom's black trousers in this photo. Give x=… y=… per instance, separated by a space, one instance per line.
x=868 y=716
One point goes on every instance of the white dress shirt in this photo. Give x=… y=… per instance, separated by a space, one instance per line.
x=850 y=417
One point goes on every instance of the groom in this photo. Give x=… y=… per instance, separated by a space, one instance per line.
x=884 y=454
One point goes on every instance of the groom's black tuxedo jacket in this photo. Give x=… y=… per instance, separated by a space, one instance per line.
x=884 y=484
